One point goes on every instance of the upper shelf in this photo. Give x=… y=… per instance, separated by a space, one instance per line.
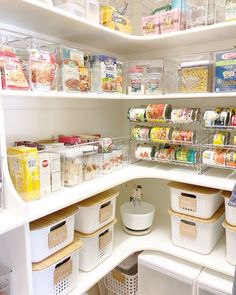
x=42 y=18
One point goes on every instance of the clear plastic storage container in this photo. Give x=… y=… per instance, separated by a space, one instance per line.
x=160 y=273
x=5 y=280
x=15 y=73
x=199 y=13
x=51 y=233
x=194 y=200
x=188 y=74
x=145 y=77
x=58 y=274
x=43 y=64
x=196 y=234
x=96 y=212
x=107 y=74
x=74 y=70
x=214 y=283
x=117 y=15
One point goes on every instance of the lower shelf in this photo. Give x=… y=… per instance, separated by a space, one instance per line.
x=159 y=240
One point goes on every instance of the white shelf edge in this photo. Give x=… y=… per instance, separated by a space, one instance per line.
x=10 y=221
x=212 y=178
x=34 y=94
x=158 y=240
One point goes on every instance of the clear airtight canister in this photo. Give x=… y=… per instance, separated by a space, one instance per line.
x=153 y=80
x=136 y=81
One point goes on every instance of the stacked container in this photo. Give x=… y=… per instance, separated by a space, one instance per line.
x=123 y=280
x=55 y=253
x=230 y=227
x=196 y=216
x=94 y=224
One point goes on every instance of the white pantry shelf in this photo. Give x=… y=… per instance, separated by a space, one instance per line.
x=216 y=178
x=44 y=19
x=112 y=96
x=158 y=240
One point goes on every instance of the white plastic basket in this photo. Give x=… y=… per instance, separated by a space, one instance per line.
x=96 y=247
x=230 y=243
x=119 y=283
x=199 y=235
x=194 y=200
x=58 y=274
x=96 y=212
x=230 y=212
x=51 y=233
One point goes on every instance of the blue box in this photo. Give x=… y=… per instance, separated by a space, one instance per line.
x=225 y=71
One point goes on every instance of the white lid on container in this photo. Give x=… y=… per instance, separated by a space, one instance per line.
x=213 y=219
x=170 y=265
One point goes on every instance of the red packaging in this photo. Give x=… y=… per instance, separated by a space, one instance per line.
x=70 y=140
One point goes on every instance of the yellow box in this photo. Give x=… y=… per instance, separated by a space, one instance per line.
x=24 y=170
x=112 y=19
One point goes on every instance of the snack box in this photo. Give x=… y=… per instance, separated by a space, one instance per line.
x=151 y=24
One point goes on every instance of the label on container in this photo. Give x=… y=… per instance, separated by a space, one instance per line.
x=118 y=276
x=57 y=236
x=105 y=239
x=63 y=271
x=188 y=203
x=188 y=229
x=105 y=213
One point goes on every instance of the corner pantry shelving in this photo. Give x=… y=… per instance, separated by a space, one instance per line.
x=14 y=221
x=42 y=18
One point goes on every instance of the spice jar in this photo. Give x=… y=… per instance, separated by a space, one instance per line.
x=136 y=81
x=153 y=80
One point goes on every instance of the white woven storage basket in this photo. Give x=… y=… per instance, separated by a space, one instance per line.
x=230 y=243
x=58 y=274
x=194 y=200
x=119 y=283
x=230 y=211
x=96 y=212
x=96 y=247
x=199 y=235
x=51 y=233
